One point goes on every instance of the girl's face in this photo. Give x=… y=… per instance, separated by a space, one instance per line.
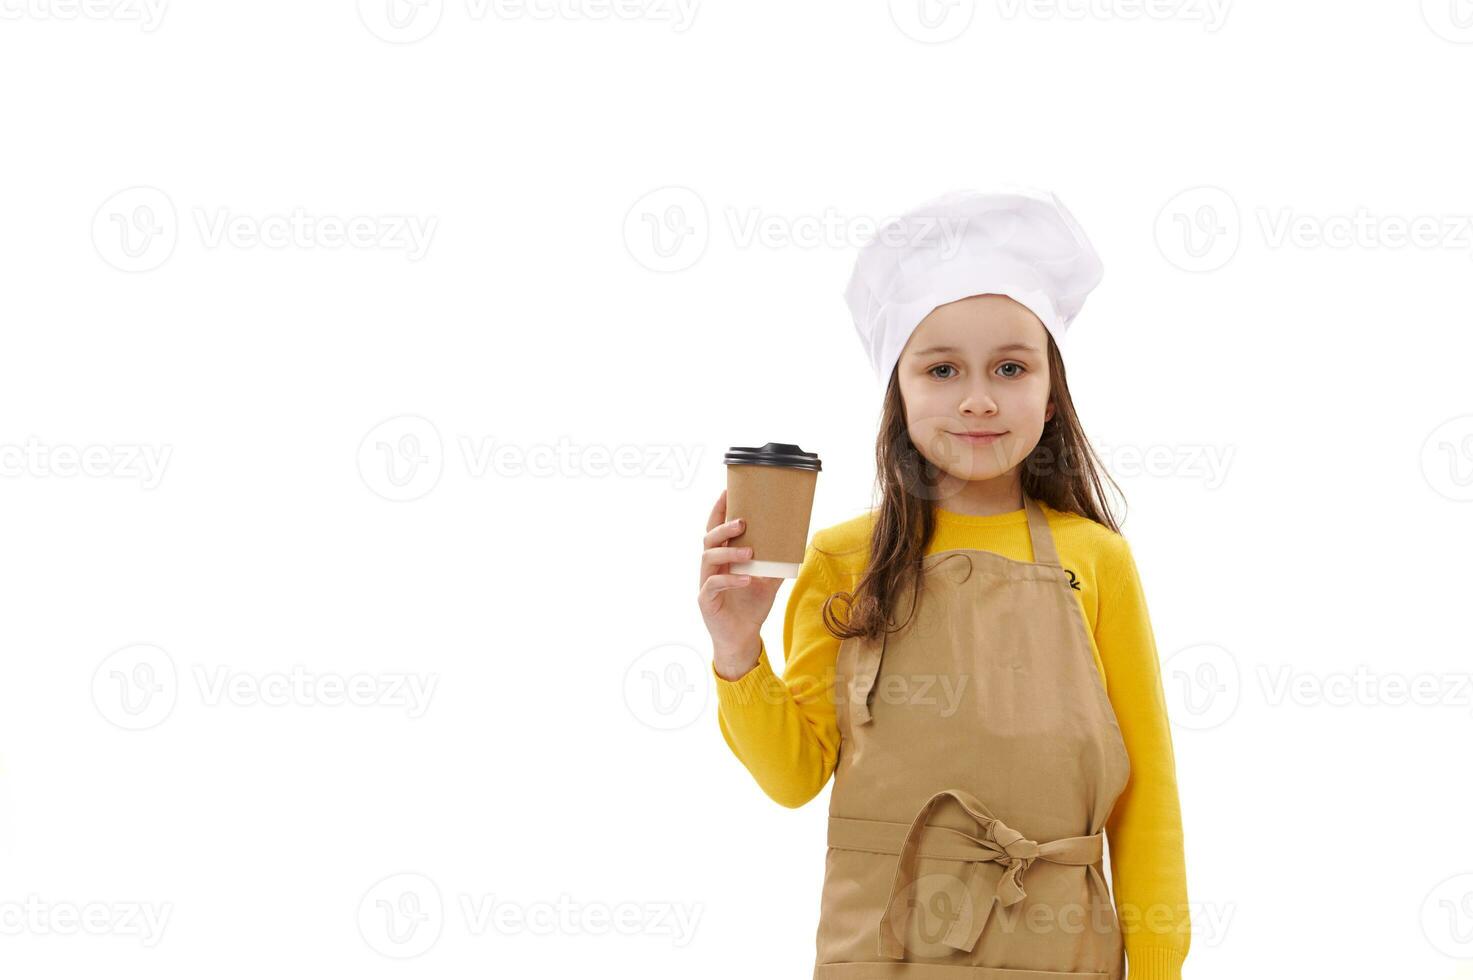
x=979 y=364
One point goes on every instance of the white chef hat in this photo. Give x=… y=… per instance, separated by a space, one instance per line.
x=1015 y=240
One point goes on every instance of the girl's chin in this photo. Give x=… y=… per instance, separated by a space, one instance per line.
x=959 y=455
x=973 y=471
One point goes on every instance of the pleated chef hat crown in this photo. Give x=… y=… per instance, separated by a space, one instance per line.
x=1016 y=240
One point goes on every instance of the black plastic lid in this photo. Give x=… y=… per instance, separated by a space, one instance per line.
x=773 y=454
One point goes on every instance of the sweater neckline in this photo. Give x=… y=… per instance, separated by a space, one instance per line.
x=950 y=517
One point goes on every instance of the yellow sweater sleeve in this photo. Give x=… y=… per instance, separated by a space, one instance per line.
x=1147 y=862
x=785 y=731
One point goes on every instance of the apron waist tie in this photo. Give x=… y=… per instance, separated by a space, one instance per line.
x=998 y=843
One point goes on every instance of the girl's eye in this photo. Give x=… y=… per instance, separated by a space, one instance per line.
x=1009 y=364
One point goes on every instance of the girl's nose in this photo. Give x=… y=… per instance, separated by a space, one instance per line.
x=978 y=401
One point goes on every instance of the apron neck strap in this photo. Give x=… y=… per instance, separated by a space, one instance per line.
x=1038 y=530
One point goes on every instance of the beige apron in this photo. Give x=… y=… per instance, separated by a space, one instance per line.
x=979 y=760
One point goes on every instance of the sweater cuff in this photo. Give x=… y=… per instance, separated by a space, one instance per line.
x=759 y=684
x=1154 y=962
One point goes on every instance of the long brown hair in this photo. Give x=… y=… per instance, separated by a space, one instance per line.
x=1062 y=470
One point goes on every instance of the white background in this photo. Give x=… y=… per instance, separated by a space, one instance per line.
x=380 y=463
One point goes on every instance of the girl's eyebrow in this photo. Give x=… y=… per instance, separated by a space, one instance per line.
x=996 y=350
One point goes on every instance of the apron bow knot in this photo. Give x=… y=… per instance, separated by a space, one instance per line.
x=998 y=844
x=1018 y=853
x=1014 y=843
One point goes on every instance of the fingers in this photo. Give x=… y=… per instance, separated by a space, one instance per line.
x=724 y=532
x=718 y=528
x=718 y=513
x=721 y=583
x=714 y=557
x=715 y=560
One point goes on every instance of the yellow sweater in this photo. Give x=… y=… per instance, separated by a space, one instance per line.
x=785 y=733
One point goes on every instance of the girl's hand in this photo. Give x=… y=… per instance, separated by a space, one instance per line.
x=733 y=606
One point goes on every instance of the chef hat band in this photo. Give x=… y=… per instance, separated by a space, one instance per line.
x=1018 y=241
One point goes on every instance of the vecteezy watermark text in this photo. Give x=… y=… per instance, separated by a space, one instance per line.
x=407 y=21
x=137 y=230
x=402 y=459
x=35 y=916
x=1199 y=229
x=402 y=916
x=668 y=229
x=126 y=461
x=148 y=13
x=408 y=233
x=137 y=687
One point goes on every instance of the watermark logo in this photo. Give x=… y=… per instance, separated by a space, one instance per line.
x=136 y=229
x=401 y=458
x=1199 y=229
x=1447 y=916
x=932 y=21
x=938 y=903
x=401 y=916
x=667 y=230
x=666 y=687
x=401 y=21
x=1203 y=685
x=1451 y=20
x=136 y=687
x=1447 y=459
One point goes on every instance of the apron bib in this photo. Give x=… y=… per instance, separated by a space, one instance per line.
x=978 y=763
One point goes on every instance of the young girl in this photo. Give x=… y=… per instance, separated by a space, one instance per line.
x=972 y=661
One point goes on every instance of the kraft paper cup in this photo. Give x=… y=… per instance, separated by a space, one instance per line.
x=771 y=488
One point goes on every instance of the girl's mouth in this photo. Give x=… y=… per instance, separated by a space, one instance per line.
x=979 y=440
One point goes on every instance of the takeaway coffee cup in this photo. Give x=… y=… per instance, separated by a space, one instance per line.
x=771 y=488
